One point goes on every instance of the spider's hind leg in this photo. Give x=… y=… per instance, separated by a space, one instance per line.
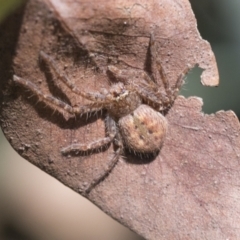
x=66 y=110
x=113 y=162
x=94 y=145
x=112 y=133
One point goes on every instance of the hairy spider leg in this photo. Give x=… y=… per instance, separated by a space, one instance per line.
x=168 y=99
x=145 y=86
x=149 y=89
x=96 y=97
x=156 y=67
x=160 y=100
x=158 y=71
x=54 y=102
x=111 y=131
x=119 y=143
x=179 y=82
x=105 y=173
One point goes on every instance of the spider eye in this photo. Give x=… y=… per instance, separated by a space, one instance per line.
x=118 y=90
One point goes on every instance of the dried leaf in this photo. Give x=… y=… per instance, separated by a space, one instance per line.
x=191 y=190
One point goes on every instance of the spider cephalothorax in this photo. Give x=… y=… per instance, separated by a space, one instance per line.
x=133 y=104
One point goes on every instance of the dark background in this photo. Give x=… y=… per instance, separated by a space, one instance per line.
x=34 y=205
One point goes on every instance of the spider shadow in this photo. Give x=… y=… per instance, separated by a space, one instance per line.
x=111 y=77
x=148 y=63
x=139 y=158
x=53 y=87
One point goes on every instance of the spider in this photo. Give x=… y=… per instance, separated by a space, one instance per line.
x=134 y=105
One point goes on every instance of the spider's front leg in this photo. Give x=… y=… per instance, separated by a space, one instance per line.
x=56 y=104
x=92 y=96
x=157 y=71
x=160 y=99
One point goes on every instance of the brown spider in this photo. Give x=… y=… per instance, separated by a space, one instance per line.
x=133 y=105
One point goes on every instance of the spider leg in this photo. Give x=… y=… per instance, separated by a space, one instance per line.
x=96 y=97
x=157 y=98
x=111 y=131
x=156 y=67
x=179 y=82
x=106 y=172
x=143 y=85
x=148 y=87
x=118 y=142
x=65 y=109
x=151 y=92
x=78 y=147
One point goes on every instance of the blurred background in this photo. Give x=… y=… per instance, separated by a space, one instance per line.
x=63 y=214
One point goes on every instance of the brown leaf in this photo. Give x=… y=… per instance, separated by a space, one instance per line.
x=191 y=190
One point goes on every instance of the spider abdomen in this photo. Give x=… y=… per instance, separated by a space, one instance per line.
x=143 y=130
